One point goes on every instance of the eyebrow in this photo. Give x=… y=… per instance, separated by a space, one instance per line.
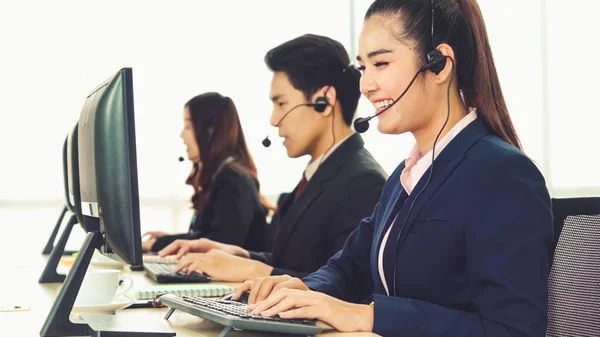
x=375 y=53
x=276 y=97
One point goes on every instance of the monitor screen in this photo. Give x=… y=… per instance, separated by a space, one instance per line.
x=108 y=168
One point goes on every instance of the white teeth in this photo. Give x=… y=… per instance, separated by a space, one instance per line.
x=383 y=104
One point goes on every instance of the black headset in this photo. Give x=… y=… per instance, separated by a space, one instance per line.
x=211 y=129
x=322 y=102
x=436 y=62
x=212 y=124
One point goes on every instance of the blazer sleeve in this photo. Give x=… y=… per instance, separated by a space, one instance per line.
x=292 y=273
x=233 y=209
x=166 y=240
x=507 y=235
x=266 y=257
x=347 y=275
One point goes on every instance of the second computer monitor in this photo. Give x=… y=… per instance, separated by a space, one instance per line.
x=72 y=175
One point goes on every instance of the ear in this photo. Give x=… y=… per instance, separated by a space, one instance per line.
x=446 y=73
x=331 y=94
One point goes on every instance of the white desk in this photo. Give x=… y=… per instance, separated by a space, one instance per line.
x=21 y=287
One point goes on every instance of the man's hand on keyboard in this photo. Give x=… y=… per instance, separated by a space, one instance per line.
x=222 y=266
x=262 y=287
x=182 y=247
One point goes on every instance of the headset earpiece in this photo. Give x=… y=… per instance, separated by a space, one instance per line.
x=436 y=62
x=211 y=127
x=211 y=132
x=320 y=104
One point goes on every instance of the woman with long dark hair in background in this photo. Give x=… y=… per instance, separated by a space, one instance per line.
x=227 y=201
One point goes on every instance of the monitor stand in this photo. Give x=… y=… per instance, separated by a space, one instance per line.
x=49 y=274
x=50 y=244
x=58 y=323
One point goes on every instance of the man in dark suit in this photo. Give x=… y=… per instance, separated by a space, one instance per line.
x=315 y=93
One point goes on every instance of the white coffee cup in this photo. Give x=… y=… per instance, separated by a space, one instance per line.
x=99 y=287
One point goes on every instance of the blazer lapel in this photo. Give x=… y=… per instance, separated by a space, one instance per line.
x=444 y=165
x=394 y=205
x=315 y=186
x=392 y=208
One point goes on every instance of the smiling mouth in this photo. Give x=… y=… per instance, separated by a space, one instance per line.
x=383 y=104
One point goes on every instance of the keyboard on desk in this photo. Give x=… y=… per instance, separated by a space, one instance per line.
x=163 y=273
x=237 y=315
x=157 y=259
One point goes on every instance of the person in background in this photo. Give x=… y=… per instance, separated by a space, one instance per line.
x=227 y=203
x=340 y=185
x=458 y=244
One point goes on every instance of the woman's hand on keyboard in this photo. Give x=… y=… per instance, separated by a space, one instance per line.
x=147 y=245
x=203 y=245
x=302 y=304
x=154 y=234
x=262 y=287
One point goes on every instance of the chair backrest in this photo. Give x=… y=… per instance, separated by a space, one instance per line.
x=574 y=281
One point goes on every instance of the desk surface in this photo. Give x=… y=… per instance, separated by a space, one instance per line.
x=20 y=287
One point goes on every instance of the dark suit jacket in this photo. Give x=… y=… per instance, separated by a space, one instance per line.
x=472 y=259
x=233 y=213
x=309 y=230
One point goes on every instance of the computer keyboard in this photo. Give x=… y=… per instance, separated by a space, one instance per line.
x=157 y=259
x=163 y=273
x=236 y=315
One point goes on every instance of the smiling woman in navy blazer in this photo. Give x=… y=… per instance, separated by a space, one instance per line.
x=457 y=248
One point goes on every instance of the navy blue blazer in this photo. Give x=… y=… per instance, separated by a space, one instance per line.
x=472 y=259
x=312 y=228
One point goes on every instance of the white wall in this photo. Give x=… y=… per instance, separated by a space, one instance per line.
x=572 y=86
x=54 y=52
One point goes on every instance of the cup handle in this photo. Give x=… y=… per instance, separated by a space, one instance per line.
x=127 y=284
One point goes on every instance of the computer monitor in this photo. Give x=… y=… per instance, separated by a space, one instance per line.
x=50 y=243
x=71 y=188
x=109 y=197
x=108 y=168
x=72 y=185
x=72 y=202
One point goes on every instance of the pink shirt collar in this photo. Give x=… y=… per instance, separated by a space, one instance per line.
x=416 y=164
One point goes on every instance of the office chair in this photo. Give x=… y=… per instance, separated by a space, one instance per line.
x=574 y=281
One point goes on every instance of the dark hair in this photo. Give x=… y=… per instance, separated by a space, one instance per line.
x=458 y=23
x=219 y=136
x=312 y=62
